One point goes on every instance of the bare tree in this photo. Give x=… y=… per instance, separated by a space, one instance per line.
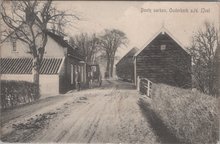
x=28 y=21
x=87 y=45
x=110 y=42
x=202 y=50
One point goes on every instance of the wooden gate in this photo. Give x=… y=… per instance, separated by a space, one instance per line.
x=144 y=86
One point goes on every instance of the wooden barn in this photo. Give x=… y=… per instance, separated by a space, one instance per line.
x=125 y=66
x=164 y=60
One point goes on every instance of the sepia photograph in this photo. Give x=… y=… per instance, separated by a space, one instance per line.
x=110 y=72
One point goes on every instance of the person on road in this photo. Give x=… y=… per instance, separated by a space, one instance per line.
x=90 y=78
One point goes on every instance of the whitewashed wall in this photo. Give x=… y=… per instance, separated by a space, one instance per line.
x=49 y=84
x=6 y=49
x=52 y=49
x=18 y=77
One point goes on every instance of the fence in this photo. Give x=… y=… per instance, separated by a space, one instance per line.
x=144 y=86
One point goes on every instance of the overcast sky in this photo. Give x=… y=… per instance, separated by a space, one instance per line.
x=140 y=26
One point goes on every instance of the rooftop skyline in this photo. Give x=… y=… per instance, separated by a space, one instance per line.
x=141 y=20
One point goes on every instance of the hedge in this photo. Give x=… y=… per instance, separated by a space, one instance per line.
x=190 y=115
x=15 y=93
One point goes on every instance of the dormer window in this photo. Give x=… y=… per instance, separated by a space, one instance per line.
x=162 y=47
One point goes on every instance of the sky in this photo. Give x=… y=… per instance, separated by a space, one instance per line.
x=136 y=20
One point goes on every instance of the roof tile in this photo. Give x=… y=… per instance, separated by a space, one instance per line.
x=24 y=65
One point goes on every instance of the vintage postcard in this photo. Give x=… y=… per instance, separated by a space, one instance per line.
x=109 y=72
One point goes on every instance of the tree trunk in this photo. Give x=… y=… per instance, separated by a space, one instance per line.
x=36 y=77
x=107 y=68
x=112 y=66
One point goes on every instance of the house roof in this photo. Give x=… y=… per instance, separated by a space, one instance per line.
x=58 y=39
x=129 y=54
x=71 y=51
x=24 y=65
x=162 y=30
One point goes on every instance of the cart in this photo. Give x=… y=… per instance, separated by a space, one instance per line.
x=95 y=77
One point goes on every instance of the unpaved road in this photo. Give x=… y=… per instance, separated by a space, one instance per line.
x=109 y=114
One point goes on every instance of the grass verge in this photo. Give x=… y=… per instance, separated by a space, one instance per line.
x=190 y=115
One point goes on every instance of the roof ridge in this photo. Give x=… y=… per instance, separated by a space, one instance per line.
x=161 y=30
x=134 y=48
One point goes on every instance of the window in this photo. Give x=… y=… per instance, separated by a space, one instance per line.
x=162 y=47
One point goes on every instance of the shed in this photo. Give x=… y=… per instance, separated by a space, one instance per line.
x=163 y=59
x=125 y=66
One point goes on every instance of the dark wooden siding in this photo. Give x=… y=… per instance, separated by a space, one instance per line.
x=125 y=67
x=170 y=66
x=125 y=70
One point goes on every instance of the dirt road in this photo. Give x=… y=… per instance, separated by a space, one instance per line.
x=109 y=114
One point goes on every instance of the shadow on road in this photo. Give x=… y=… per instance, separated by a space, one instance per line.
x=164 y=135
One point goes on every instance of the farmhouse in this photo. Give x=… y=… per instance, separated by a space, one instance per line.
x=58 y=68
x=164 y=60
x=125 y=66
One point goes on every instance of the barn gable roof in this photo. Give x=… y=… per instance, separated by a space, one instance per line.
x=24 y=65
x=162 y=30
x=129 y=54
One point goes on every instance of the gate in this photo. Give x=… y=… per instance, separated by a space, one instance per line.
x=144 y=86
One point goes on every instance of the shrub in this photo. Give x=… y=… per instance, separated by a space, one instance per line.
x=14 y=93
x=190 y=115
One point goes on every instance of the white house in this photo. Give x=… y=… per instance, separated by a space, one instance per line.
x=57 y=71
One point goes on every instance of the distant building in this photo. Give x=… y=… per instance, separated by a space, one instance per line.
x=125 y=66
x=58 y=68
x=163 y=60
